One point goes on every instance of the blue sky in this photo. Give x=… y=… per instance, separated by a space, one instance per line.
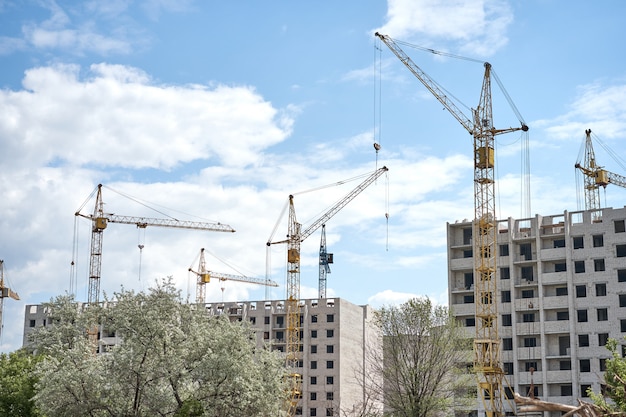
x=217 y=111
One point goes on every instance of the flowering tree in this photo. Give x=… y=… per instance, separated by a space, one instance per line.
x=174 y=360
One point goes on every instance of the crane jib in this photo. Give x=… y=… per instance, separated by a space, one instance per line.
x=100 y=219
x=143 y=222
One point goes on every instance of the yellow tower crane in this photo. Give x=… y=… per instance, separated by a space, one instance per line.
x=595 y=176
x=295 y=236
x=204 y=277
x=487 y=362
x=100 y=219
x=5 y=292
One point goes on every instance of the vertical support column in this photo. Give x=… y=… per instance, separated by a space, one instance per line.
x=487 y=363
x=293 y=310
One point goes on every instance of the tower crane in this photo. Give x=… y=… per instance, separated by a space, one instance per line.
x=295 y=236
x=100 y=220
x=5 y=292
x=595 y=176
x=325 y=259
x=204 y=277
x=487 y=362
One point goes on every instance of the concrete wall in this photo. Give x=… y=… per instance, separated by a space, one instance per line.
x=561 y=282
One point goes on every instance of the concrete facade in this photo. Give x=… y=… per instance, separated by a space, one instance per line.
x=561 y=295
x=36 y=315
x=336 y=337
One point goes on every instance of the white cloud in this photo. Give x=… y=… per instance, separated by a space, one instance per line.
x=476 y=26
x=600 y=106
x=76 y=41
x=154 y=8
x=112 y=8
x=114 y=34
x=66 y=131
x=389 y=297
x=116 y=117
x=8 y=45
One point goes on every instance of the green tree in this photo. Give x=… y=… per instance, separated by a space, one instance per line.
x=174 y=360
x=613 y=399
x=422 y=361
x=17 y=384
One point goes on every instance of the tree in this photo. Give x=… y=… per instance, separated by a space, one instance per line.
x=17 y=384
x=422 y=361
x=174 y=360
x=614 y=381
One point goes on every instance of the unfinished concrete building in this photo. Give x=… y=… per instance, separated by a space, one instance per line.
x=336 y=336
x=561 y=296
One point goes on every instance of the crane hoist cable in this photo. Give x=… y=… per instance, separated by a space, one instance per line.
x=387 y=213
x=141 y=240
x=377 y=100
x=73 y=286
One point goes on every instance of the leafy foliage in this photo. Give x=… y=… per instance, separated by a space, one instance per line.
x=17 y=384
x=422 y=348
x=174 y=360
x=614 y=398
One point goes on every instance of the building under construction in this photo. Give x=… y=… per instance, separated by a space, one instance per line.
x=336 y=336
x=562 y=295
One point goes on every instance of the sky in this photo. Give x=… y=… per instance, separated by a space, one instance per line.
x=218 y=111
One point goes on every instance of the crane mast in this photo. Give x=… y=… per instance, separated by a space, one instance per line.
x=100 y=219
x=295 y=236
x=325 y=259
x=595 y=176
x=5 y=292
x=487 y=362
x=204 y=277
